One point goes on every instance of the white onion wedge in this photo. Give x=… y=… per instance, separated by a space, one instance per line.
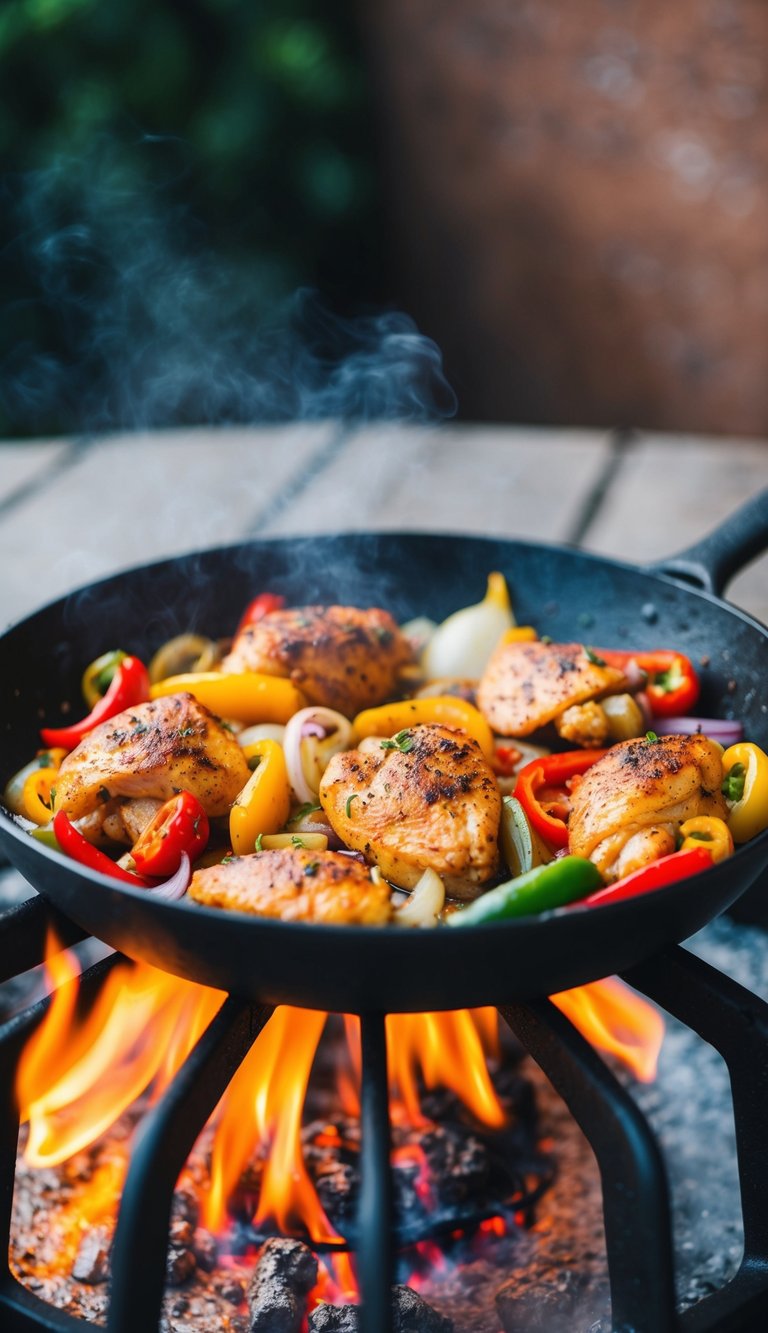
x=463 y=643
x=262 y=731
x=425 y=903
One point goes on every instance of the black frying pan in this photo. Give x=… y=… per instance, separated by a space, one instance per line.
x=565 y=593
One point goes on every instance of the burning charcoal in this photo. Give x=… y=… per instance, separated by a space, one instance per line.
x=411 y=1315
x=458 y=1164
x=285 y=1273
x=185 y=1206
x=180 y=1261
x=205 y=1250
x=230 y=1289
x=337 y=1189
x=92 y=1260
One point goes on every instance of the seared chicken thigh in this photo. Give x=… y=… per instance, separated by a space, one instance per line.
x=628 y=807
x=145 y=756
x=527 y=685
x=427 y=798
x=295 y=885
x=338 y=656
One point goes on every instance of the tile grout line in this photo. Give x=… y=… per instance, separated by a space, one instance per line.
x=622 y=442
x=318 y=463
x=70 y=455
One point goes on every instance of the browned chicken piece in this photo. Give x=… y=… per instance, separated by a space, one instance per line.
x=527 y=685
x=628 y=807
x=295 y=885
x=144 y=756
x=338 y=656
x=426 y=799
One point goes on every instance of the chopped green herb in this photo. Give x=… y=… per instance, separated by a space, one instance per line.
x=546 y=638
x=651 y=738
x=44 y=760
x=49 y=804
x=254 y=761
x=311 y=868
x=350 y=799
x=594 y=658
x=403 y=742
x=141 y=727
x=259 y=847
x=185 y=731
x=225 y=860
x=668 y=680
x=296 y=841
x=307 y=809
x=733 y=783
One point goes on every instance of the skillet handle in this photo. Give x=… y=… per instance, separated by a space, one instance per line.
x=712 y=562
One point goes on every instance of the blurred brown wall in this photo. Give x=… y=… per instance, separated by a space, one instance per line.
x=579 y=203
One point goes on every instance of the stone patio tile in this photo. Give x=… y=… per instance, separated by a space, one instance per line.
x=671 y=490
x=129 y=499
x=479 y=479
x=26 y=462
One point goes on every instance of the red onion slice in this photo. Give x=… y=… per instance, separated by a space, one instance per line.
x=177 y=885
x=724 y=730
x=314 y=723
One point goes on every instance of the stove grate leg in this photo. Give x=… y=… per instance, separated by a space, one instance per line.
x=164 y=1141
x=374 y=1251
x=638 y=1229
x=735 y=1022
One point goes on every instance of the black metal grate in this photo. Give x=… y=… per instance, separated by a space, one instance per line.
x=634 y=1182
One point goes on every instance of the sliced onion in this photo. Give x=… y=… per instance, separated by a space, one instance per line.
x=263 y=731
x=722 y=729
x=307 y=752
x=462 y=644
x=425 y=903
x=177 y=885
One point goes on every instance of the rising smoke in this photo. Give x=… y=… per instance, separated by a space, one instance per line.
x=151 y=327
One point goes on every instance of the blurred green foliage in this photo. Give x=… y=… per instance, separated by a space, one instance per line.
x=246 y=122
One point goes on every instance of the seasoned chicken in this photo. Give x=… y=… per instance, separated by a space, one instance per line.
x=427 y=798
x=526 y=685
x=295 y=885
x=145 y=756
x=338 y=656
x=628 y=807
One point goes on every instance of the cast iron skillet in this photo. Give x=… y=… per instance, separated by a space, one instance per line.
x=566 y=594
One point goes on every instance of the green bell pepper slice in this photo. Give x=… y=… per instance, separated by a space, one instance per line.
x=539 y=890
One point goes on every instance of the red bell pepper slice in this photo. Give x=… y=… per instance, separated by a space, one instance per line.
x=73 y=844
x=542 y=790
x=260 y=607
x=181 y=825
x=129 y=686
x=672 y=688
x=666 y=870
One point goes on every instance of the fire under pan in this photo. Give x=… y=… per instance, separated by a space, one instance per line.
x=638 y=1229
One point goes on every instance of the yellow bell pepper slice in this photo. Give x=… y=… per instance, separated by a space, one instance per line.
x=264 y=803
x=245 y=696
x=446 y=709
x=519 y=634
x=707 y=831
x=37 y=795
x=745 y=787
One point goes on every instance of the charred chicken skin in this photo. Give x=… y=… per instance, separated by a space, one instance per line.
x=627 y=809
x=338 y=656
x=427 y=798
x=527 y=685
x=114 y=780
x=295 y=884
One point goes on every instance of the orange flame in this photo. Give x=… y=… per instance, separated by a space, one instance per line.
x=263 y=1103
x=614 y=1019
x=447 y=1049
x=76 y=1077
